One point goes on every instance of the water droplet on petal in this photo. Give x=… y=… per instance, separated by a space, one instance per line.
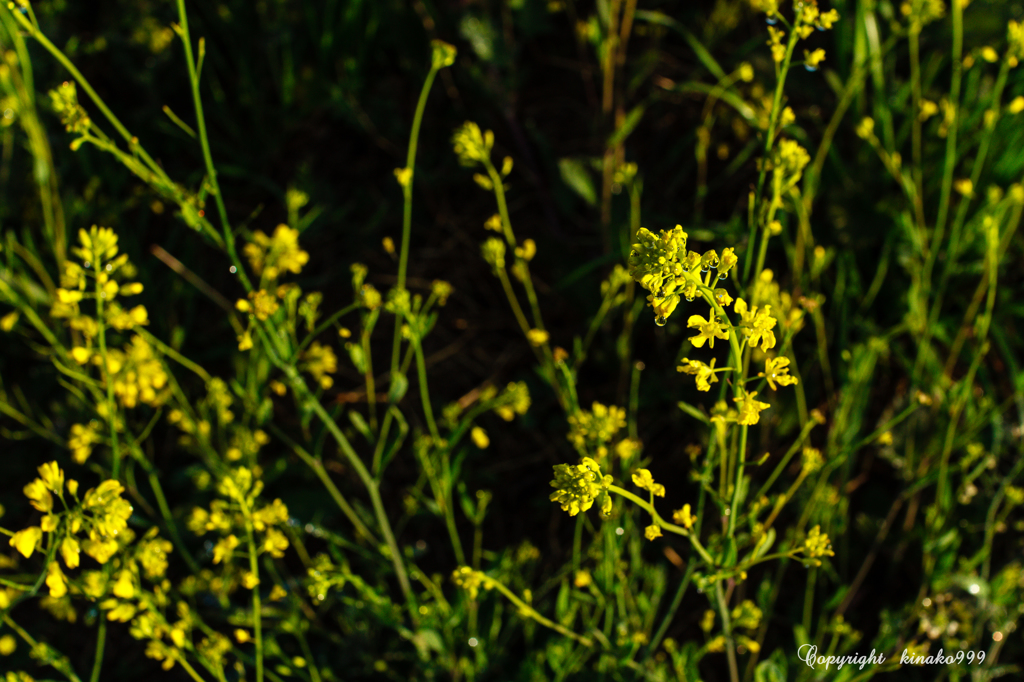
x=723 y=275
x=810 y=68
x=660 y=320
x=689 y=299
x=771 y=21
x=704 y=269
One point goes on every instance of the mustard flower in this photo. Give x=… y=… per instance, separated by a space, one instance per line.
x=493 y=251
x=224 y=547
x=25 y=541
x=811 y=460
x=776 y=371
x=97 y=245
x=817 y=544
x=472 y=146
x=1015 y=40
x=578 y=486
x=813 y=58
x=69 y=551
x=264 y=304
x=480 y=438
x=64 y=100
x=56 y=581
x=684 y=518
x=709 y=330
x=749 y=408
x=468 y=579
x=655 y=259
x=537 y=337
x=269 y=256
x=643 y=480
x=320 y=361
x=652 y=532
x=756 y=324
x=705 y=373
x=442 y=54
x=775 y=43
x=596 y=427
x=515 y=399
x=39 y=495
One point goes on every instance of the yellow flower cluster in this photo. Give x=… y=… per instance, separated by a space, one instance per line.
x=472 y=146
x=578 y=486
x=95 y=524
x=98 y=250
x=137 y=374
x=817 y=544
x=240 y=490
x=270 y=256
x=515 y=399
x=320 y=361
x=661 y=264
x=83 y=437
x=589 y=432
x=64 y=100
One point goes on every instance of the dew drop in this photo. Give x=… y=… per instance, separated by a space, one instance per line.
x=232 y=269
x=771 y=21
x=689 y=299
x=810 y=68
x=660 y=320
x=723 y=275
x=704 y=269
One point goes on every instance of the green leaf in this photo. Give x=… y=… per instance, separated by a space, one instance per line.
x=693 y=412
x=399 y=385
x=630 y=123
x=361 y=425
x=575 y=174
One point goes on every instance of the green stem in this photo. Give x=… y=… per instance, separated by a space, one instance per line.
x=101 y=639
x=108 y=379
x=204 y=142
x=671 y=527
x=730 y=646
x=530 y=612
x=257 y=615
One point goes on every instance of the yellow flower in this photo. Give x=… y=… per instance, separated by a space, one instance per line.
x=709 y=330
x=705 y=373
x=8 y=321
x=38 y=495
x=749 y=408
x=811 y=460
x=583 y=579
x=964 y=186
x=776 y=44
x=537 y=337
x=776 y=371
x=224 y=548
x=472 y=146
x=404 y=176
x=275 y=543
x=69 y=551
x=596 y=427
x=277 y=593
x=56 y=581
x=756 y=324
x=249 y=580
x=98 y=244
x=684 y=518
x=7 y=645
x=125 y=586
x=25 y=541
x=577 y=486
x=264 y=304
x=812 y=59
x=643 y=480
x=269 y=256
x=52 y=476
x=817 y=544
x=468 y=579
x=885 y=438
x=319 y=361
x=480 y=438
x=242 y=636
x=515 y=399
x=442 y=54
x=652 y=531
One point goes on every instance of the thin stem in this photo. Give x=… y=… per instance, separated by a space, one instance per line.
x=257 y=616
x=101 y=639
x=101 y=334
x=204 y=142
x=730 y=646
